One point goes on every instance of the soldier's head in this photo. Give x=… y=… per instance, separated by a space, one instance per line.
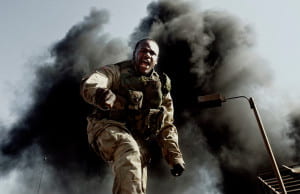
x=145 y=55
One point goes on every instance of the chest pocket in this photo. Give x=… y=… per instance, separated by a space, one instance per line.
x=152 y=94
x=144 y=96
x=141 y=92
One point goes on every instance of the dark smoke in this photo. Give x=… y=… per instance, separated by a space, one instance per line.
x=54 y=126
x=295 y=120
x=202 y=52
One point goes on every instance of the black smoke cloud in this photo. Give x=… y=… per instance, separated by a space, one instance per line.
x=295 y=120
x=207 y=52
x=202 y=52
x=54 y=125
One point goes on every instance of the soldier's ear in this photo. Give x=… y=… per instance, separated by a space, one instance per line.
x=133 y=54
x=157 y=59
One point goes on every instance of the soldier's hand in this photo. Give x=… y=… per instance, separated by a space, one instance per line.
x=177 y=169
x=109 y=99
x=106 y=98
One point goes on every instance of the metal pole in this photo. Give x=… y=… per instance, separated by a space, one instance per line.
x=217 y=99
x=268 y=146
x=40 y=182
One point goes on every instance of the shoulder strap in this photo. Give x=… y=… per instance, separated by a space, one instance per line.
x=166 y=83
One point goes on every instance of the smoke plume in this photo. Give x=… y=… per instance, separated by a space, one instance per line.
x=295 y=120
x=54 y=126
x=203 y=53
x=208 y=52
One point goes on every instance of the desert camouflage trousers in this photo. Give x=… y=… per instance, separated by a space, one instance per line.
x=115 y=144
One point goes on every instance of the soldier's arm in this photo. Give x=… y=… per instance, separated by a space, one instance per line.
x=168 y=136
x=95 y=89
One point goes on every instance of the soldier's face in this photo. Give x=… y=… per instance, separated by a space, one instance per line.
x=146 y=56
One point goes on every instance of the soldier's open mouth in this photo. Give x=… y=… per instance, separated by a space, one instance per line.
x=145 y=65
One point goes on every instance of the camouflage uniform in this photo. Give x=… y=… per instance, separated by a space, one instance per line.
x=143 y=111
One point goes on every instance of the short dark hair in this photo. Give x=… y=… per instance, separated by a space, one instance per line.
x=141 y=41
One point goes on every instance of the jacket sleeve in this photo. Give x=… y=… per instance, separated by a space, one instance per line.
x=92 y=85
x=168 y=136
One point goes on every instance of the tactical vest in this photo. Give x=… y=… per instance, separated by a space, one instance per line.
x=144 y=95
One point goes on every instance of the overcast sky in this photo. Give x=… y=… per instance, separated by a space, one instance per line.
x=29 y=28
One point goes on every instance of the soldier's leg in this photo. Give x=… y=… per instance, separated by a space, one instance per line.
x=119 y=146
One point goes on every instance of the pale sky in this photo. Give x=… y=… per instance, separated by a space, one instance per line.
x=29 y=28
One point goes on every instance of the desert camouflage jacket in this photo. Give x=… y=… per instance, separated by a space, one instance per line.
x=143 y=103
